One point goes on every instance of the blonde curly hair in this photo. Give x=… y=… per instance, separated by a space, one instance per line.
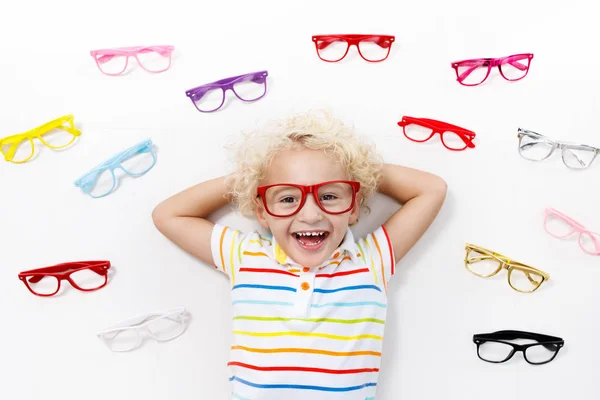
x=316 y=130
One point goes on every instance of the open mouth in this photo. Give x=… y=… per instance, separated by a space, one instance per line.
x=310 y=239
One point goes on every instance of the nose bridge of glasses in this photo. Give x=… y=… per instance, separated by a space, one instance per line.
x=310 y=208
x=493 y=62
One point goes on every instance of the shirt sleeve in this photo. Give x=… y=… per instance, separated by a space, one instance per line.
x=226 y=245
x=378 y=254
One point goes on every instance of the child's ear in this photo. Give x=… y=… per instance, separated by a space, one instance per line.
x=261 y=214
x=355 y=212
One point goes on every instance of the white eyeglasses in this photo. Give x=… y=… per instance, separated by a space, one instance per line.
x=161 y=326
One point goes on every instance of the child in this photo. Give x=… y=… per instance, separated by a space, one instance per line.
x=309 y=301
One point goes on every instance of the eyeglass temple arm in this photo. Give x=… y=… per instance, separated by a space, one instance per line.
x=514 y=61
x=324 y=42
x=566 y=218
x=512 y=335
x=99 y=267
x=58 y=123
x=477 y=259
x=136 y=321
x=165 y=52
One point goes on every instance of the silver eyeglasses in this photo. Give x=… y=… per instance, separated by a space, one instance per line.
x=537 y=147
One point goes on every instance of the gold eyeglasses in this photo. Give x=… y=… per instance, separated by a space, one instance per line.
x=486 y=263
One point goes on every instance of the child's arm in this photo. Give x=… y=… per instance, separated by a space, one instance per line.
x=422 y=195
x=182 y=218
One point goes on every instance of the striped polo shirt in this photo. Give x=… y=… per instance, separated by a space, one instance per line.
x=305 y=333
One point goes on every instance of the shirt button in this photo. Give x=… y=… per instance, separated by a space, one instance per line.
x=305 y=269
x=305 y=286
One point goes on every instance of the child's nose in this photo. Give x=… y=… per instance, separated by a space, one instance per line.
x=310 y=212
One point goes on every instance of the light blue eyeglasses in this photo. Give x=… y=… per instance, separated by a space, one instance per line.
x=135 y=161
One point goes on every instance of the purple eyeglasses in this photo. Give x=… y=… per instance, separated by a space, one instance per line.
x=474 y=72
x=211 y=97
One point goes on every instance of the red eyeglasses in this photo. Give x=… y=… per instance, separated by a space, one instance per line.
x=286 y=199
x=82 y=275
x=372 y=48
x=422 y=129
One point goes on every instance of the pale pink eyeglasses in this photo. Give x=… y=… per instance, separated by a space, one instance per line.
x=561 y=226
x=474 y=72
x=151 y=58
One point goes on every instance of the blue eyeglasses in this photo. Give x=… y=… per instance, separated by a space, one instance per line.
x=135 y=161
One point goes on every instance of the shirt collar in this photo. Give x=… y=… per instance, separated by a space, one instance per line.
x=347 y=248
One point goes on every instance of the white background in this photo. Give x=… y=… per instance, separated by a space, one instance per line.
x=496 y=198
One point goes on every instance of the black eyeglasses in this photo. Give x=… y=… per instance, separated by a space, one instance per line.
x=495 y=348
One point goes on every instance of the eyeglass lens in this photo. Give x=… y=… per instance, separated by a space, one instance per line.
x=420 y=133
x=498 y=352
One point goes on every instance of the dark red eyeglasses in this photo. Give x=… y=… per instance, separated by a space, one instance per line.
x=372 y=48
x=422 y=129
x=82 y=275
x=286 y=199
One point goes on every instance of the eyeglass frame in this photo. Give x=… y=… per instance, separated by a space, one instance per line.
x=439 y=127
x=491 y=63
x=498 y=336
x=114 y=163
x=576 y=228
x=556 y=145
x=36 y=133
x=128 y=324
x=306 y=189
x=225 y=85
x=353 y=40
x=505 y=263
x=132 y=51
x=64 y=271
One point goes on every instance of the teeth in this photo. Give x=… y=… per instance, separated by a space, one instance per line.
x=310 y=233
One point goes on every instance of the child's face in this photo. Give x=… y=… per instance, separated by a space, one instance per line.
x=306 y=167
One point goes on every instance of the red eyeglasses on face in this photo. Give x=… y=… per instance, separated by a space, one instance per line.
x=286 y=199
x=372 y=48
x=82 y=275
x=422 y=129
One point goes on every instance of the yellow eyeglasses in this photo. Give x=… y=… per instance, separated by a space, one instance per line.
x=55 y=134
x=486 y=263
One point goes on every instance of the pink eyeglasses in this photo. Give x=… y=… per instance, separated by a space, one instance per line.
x=474 y=72
x=560 y=226
x=151 y=58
